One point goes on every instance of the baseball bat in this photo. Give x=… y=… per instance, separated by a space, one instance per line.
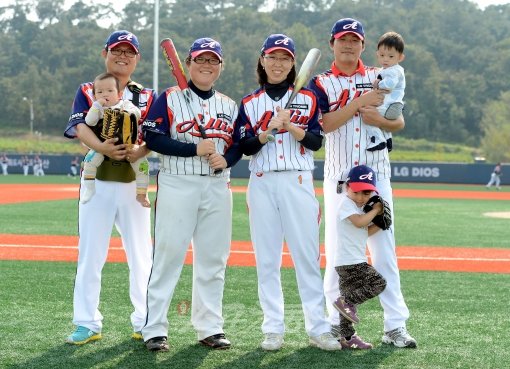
x=306 y=70
x=173 y=61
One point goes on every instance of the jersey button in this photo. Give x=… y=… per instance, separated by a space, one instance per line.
x=356 y=163
x=281 y=156
x=357 y=129
x=356 y=146
x=280 y=141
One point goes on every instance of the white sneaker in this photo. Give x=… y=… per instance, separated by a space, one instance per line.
x=399 y=337
x=90 y=190
x=272 y=341
x=325 y=341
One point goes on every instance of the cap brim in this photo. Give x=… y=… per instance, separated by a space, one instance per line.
x=269 y=51
x=362 y=186
x=123 y=42
x=340 y=34
x=194 y=54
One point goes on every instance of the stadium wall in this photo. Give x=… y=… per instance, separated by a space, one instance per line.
x=420 y=172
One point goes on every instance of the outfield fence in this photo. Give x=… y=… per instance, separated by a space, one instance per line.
x=420 y=172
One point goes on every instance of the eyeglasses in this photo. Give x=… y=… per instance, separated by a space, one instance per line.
x=128 y=53
x=202 y=60
x=283 y=60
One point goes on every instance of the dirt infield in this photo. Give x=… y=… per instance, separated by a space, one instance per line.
x=455 y=259
x=16 y=193
x=64 y=248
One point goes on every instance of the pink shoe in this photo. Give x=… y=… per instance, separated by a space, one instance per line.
x=355 y=343
x=349 y=311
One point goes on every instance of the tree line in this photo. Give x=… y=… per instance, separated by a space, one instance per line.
x=457 y=56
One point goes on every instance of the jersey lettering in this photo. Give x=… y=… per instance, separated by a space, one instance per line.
x=298 y=118
x=264 y=121
x=343 y=99
x=212 y=124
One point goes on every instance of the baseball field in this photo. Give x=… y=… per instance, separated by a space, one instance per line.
x=453 y=251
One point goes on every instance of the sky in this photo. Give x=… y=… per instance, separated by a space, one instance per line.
x=118 y=5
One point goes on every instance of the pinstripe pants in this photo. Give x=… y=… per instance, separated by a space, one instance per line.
x=358 y=283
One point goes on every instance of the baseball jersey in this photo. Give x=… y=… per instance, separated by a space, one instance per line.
x=109 y=170
x=393 y=79
x=285 y=153
x=85 y=98
x=352 y=240
x=171 y=116
x=96 y=111
x=346 y=147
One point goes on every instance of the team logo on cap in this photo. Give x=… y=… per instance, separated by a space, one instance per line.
x=210 y=45
x=351 y=26
x=368 y=176
x=284 y=41
x=126 y=37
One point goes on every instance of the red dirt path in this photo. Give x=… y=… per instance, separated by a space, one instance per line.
x=64 y=248
x=16 y=193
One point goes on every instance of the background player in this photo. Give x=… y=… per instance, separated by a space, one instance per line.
x=390 y=52
x=107 y=94
x=113 y=201
x=25 y=164
x=193 y=204
x=38 y=166
x=73 y=168
x=4 y=161
x=495 y=177
x=347 y=102
x=281 y=197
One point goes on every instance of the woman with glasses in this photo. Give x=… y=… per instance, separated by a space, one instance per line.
x=281 y=195
x=193 y=204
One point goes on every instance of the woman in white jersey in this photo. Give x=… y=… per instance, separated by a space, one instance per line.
x=281 y=195
x=193 y=204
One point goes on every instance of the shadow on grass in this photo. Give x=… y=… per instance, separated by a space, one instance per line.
x=133 y=354
x=125 y=355
x=311 y=357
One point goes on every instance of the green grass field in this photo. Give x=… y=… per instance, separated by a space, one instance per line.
x=459 y=319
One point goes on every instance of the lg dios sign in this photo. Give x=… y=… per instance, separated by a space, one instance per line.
x=419 y=172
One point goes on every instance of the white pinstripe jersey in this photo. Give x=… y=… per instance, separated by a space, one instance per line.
x=285 y=153
x=171 y=116
x=346 y=146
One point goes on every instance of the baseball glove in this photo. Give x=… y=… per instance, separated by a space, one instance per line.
x=120 y=124
x=383 y=220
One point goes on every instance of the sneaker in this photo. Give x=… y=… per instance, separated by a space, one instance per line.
x=349 y=311
x=137 y=336
x=82 y=335
x=216 y=341
x=399 y=337
x=272 y=342
x=355 y=343
x=157 y=344
x=325 y=341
